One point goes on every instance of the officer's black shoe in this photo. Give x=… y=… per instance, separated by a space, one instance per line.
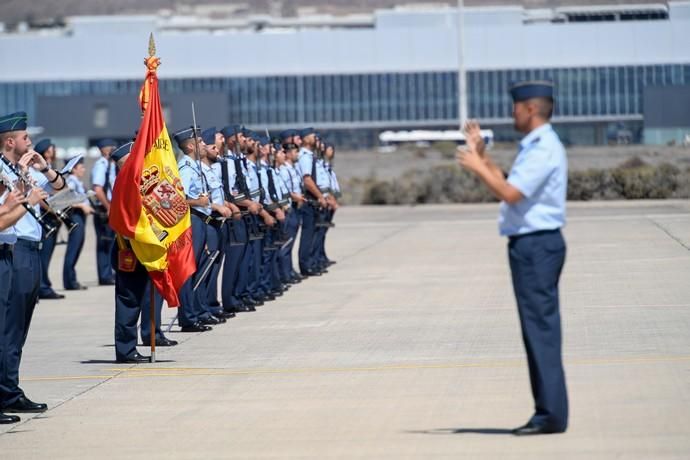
x=24 y=404
x=245 y=308
x=268 y=297
x=135 y=358
x=7 y=419
x=76 y=287
x=51 y=296
x=225 y=314
x=330 y=262
x=531 y=429
x=220 y=318
x=210 y=321
x=248 y=301
x=160 y=342
x=110 y=282
x=310 y=273
x=256 y=302
x=196 y=327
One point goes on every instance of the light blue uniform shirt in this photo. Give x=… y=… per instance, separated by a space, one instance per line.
x=281 y=186
x=291 y=178
x=252 y=178
x=304 y=162
x=99 y=173
x=215 y=184
x=192 y=181
x=9 y=235
x=28 y=228
x=76 y=185
x=323 y=178
x=335 y=186
x=540 y=173
x=229 y=165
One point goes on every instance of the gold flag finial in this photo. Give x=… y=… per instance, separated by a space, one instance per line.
x=152 y=46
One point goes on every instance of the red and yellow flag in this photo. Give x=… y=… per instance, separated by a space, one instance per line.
x=148 y=204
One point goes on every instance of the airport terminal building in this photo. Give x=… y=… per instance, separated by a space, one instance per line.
x=622 y=73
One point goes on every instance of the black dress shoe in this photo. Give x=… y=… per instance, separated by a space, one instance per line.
x=24 y=404
x=76 y=287
x=310 y=273
x=210 y=321
x=51 y=296
x=530 y=429
x=196 y=327
x=134 y=358
x=330 y=262
x=110 y=282
x=7 y=419
x=160 y=342
x=225 y=314
x=245 y=308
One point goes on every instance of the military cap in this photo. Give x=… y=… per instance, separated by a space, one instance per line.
x=307 y=131
x=121 y=151
x=231 y=130
x=528 y=89
x=209 y=135
x=287 y=134
x=42 y=145
x=185 y=134
x=102 y=143
x=71 y=163
x=16 y=121
x=263 y=140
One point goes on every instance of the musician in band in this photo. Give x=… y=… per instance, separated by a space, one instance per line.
x=75 y=240
x=22 y=164
x=102 y=180
x=46 y=148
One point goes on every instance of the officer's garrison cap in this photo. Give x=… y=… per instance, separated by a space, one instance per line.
x=16 y=121
x=528 y=89
x=185 y=134
x=42 y=145
x=121 y=151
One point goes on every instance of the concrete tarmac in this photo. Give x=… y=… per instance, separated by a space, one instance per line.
x=408 y=349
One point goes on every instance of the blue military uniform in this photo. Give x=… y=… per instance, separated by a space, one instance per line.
x=25 y=278
x=48 y=246
x=75 y=239
x=536 y=250
x=103 y=175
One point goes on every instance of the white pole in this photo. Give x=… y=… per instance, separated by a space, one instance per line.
x=462 y=77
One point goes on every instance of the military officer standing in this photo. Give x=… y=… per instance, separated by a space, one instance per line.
x=102 y=179
x=532 y=213
x=75 y=239
x=17 y=157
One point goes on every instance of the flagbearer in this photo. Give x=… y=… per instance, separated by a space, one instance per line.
x=131 y=281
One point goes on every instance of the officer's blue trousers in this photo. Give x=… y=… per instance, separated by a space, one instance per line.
x=192 y=302
x=269 y=263
x=214 y=238
x=285 y=256
x=145 y=323
x=26 y=279
x=255 y=250
x=536 y=261
x=131 y=298
x=75 y=243
x=234 y=282
x=46 y=252
x=6 y=271
x=306 y=242
x=105 y=239
x=319 y=240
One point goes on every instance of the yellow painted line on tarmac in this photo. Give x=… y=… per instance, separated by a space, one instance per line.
x=142 y=371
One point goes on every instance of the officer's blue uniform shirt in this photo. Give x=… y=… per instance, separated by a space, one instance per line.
x=281 y=186
x=335 y=186
x=76 y=185
x=192 y=181
x=291 y=178
x=252 y=178
x=99 y=173
x=323 y=179
x=27 y=227
x=9 y=235
x=540 y=173
x=229 y=165
x=304 y=162
x=215 y=184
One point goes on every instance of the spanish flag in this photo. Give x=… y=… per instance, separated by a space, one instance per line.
x=148 y=205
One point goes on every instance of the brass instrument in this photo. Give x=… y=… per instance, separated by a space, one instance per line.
x=48 y=229
x=29 y=183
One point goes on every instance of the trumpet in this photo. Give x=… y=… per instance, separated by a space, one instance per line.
x=29 y=183
x=60 y=204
